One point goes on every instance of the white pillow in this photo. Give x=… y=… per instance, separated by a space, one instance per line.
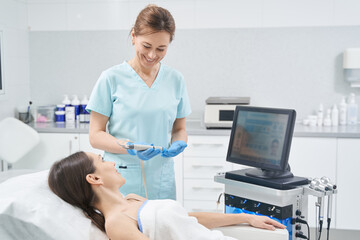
x=29 y=210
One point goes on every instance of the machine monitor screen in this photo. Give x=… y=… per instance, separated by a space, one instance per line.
x=261 y=138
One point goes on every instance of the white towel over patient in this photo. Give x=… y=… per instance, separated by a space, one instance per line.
x=167 y=219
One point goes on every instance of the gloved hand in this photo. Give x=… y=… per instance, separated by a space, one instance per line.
x=175 y=148
x=145 y=154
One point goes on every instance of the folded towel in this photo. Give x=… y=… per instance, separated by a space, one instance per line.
x=167 y=219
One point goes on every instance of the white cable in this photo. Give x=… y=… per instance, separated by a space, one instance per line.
x=144 y=178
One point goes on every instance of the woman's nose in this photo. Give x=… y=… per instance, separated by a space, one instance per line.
x=152 y=54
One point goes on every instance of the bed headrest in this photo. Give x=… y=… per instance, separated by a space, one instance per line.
x=29 y=210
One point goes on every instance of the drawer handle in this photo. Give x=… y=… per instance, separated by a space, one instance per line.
x=208 y=165
x=210 y=188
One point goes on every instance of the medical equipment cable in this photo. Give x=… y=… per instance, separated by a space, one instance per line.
x=218 y=201
x=299 y=220
x=308 y=229
x=329 y=216
x=316 y=223
x=143 y=173
x=142 y=168
x=320 y=221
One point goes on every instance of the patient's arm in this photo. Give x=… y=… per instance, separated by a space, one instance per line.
x=122 y=227
x=213 y=220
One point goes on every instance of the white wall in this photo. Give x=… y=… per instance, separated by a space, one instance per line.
x=55 y=15
x=14 y=27
x=17 y=17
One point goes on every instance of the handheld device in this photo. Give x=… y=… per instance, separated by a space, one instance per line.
x=139 y=147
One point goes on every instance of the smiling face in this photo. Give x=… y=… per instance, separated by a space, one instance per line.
x=106 y=171
x=151 y=48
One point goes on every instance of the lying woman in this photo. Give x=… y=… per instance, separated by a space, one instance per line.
x=86 y=181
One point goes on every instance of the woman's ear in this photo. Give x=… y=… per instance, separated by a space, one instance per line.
x=133 y=37
x=93 y=179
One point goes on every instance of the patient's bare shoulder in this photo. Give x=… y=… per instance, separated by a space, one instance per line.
x=135 y=196
x=120 y=226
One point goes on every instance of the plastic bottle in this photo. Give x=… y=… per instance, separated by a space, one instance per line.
x=320 y=115
x=327 y=119
x=76 y=104
x=335 y=116
x=352 y=110
x=84 y=115
x=66 y=101
x=70 y=114
x=343 y=111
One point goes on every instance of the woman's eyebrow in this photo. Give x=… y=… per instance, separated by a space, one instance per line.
x=151 y=44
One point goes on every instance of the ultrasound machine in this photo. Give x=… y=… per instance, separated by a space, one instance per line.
x=260 y=140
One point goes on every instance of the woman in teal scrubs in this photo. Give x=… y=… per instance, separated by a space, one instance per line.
x=142 y=101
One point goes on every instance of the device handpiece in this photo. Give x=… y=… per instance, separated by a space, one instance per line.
x=141 y=147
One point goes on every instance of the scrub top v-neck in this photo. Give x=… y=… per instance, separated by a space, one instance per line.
x=137 y=76
x=142 y=114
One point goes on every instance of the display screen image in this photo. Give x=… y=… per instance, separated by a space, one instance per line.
x=259 y=137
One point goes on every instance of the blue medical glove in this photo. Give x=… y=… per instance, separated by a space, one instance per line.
x=148 y=153
x=175 y=148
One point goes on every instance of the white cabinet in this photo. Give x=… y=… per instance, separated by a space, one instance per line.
x=84 y=144
x=314 y=157
x=204 y=156
x=52 y=147
x=348 y=165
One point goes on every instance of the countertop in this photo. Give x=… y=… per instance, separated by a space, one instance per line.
x=196 y=127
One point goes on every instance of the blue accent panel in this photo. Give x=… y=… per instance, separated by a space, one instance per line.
x=138 y=215
x=286 y=222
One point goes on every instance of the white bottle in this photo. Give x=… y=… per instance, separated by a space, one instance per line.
x=70 y=114
x=320 y=115
x=352 y=110
x=66 y=101
x=76 y=103
x=343 y=111
x=335 y=116
x=327 y=119
x=84 y=115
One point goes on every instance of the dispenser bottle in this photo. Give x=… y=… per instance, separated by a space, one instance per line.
x=76 y=104
x=84 y=115
x=352 y=110
x=320 y=115
x=327 y=119
x=335 y=116
x=66 y=101
x=343 y=111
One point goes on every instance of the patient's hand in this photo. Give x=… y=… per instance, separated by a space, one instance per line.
x=264 y=222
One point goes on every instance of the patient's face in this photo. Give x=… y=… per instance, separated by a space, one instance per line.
x=107 y=171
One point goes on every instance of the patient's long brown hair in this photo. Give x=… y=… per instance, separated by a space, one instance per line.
x=67 y=179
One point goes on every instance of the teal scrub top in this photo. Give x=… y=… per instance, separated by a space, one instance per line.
x=142 y=114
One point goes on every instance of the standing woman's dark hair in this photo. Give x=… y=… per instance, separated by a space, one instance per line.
x=67 y=179
x=154 y=19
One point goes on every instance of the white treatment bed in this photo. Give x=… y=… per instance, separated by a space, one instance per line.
x=29 y=210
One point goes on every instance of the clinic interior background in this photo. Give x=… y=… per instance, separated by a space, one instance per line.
x=280 y=53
